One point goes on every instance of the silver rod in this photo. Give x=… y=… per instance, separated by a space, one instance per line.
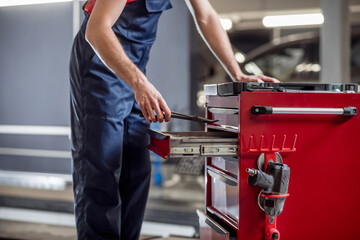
x=35 y=130
x=284 y=110
x=223 y=110
x=35 y=153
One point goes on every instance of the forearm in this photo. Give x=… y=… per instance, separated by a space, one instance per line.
x=210 y=29
x=219 y=42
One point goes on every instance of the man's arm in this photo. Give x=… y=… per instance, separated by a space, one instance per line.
x=210 y=29
x=105 y=43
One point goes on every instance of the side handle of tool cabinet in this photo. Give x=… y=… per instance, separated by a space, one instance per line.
x=345 y=111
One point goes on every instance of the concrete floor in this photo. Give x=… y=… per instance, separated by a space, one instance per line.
x=40 y=214
x=34 y=231
x=12 y=230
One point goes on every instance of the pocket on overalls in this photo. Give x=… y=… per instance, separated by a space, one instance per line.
x=153 y=6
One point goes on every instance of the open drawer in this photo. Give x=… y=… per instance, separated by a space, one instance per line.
x=192 y=144
x=209 y=229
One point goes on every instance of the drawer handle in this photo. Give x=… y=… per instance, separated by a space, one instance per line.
x=222 y=177
x=346 y=111
x=211 y=223
x=228 y=111
x=214 y=227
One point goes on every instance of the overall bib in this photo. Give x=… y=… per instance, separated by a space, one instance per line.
x=111 y=166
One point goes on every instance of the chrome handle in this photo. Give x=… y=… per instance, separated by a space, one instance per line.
x=228 y=111
x=214 y=227
x=346 y=111
x=222 y=177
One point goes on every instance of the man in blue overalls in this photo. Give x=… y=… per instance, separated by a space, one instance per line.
x=109 y=89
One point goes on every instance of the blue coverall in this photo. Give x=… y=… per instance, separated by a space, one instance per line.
x=111 y=166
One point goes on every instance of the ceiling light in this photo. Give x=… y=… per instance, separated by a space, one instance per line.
x=315 y=67
x=226 y=23
x=293 y=20
x=240 y=58
x=252 y=68
x=303 y=67
x=9 y=3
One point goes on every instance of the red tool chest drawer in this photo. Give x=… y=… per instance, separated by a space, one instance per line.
x=224 y=194
x=192 y=144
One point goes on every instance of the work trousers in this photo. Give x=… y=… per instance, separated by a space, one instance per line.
x=111 y=166
x=111 y=175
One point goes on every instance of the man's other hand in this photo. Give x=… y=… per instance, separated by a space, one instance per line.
x=254 y=78
x=150 y=100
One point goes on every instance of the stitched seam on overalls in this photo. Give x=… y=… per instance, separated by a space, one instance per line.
x=83 y=135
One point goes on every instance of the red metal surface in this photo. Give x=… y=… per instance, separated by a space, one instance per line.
x=321 y=151
x=160 y=146
x=270 y=229
x=253 y=147
x=325 y=165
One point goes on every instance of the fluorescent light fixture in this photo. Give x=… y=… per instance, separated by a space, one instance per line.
x=252 y=68
x=293 y=20
x=303 y=67
x=315 y=67
x=9 y=3
x=56 y=182
x=240 y=58
x=226 y=23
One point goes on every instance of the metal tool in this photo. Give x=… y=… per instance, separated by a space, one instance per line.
x=275 y=183
x=188 y=117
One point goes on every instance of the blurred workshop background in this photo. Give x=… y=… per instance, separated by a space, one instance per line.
x=317 y=41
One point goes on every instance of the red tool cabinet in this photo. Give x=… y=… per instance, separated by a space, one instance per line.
x=307 y=131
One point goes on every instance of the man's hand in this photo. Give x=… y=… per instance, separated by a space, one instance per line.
x=253 y=78
x=150 y=100
x=101 y=37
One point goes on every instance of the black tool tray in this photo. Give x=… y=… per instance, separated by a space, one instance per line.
x=235 y=88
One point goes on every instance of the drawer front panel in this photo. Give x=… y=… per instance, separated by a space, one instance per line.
x=224 y=194
x=225 y=102
x=226 y=120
